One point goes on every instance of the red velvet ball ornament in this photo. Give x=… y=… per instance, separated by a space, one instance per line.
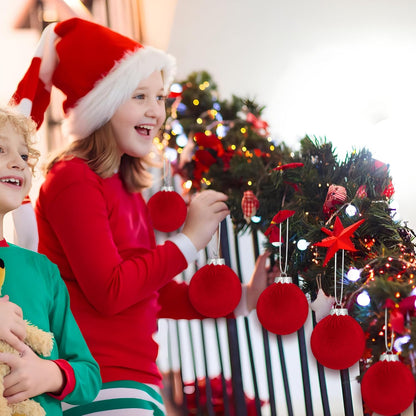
x=167 y=210
x=388 y=387
x=282 y=308
x=215 y=289
x=338 y=341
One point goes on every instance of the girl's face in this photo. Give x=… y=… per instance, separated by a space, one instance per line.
x=15 y=173
x=137 y=121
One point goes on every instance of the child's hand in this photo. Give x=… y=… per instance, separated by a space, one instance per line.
x=262 y=277
x=12 y=325
x=30 y=375
x=205 y=212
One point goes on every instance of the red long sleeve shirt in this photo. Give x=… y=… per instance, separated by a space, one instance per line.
x=101 y=238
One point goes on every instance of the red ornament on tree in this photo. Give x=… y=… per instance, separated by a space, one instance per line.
x=167 y=210
x=274 y=230
x=282 y=308
x=361 y=192
x=249 y=204
x=215 y=289
x=338 y=239
x=336 y=195
x=388 y=387
x=389 y=190
x=338 y=341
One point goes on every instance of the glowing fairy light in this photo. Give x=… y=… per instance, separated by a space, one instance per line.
x=221 y=130
x=181 y=140
x=195 y=102
x=171 y=154
x=363 y=299
x=353 y=274
x=351 y=210
x=187 y=185
x=398 y=344
x=302 y=244
x=177 y=127
x=255 y=219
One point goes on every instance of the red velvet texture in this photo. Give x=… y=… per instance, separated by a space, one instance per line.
x=388 y=387
x=215 y=290
x=282 y=308
x=337 y=342
x=167 y=210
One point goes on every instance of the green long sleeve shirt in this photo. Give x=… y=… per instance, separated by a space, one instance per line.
x=34 y=283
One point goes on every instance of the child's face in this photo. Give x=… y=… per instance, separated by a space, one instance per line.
x=15 y=173
x=137 y=121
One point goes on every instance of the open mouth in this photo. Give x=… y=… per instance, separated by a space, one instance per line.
x=11 y=181
x=144 y=129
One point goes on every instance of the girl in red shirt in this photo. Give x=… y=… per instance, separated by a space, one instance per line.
x=93 y=220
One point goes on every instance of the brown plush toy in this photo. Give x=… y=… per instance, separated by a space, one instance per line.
x=41 y=342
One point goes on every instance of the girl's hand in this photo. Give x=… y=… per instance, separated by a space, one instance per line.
x=12 y=325
x=262 y=276
x=205 y=212
x=30 y=375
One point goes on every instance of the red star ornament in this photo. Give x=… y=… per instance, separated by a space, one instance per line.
x=339 y=239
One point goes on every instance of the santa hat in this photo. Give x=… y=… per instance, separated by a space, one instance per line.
x=96 y=68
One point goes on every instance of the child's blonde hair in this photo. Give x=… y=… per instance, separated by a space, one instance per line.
x=101 y=154
x=24 y=126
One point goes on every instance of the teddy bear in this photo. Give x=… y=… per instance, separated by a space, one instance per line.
x=42 y=343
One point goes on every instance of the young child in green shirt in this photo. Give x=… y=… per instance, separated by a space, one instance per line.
x=33 y=290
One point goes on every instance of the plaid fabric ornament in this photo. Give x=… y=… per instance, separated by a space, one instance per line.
x=336 y=195
x=249 y=205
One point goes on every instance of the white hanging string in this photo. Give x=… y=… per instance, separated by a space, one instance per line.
x=167 y=174
x=215 y=259
x=284 y=269
x=338 y=302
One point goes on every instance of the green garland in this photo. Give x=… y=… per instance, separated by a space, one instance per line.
x=232 y=152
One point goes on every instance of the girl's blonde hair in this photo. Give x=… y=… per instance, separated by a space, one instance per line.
x=101 y=154
x=24 y=126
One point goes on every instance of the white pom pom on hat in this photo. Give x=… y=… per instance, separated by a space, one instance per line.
x=96 y=68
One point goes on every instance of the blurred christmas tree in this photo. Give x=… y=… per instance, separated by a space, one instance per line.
x=226 y=146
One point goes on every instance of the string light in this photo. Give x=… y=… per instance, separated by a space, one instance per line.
x=353 y=274
x=351 y=210
x=187 y=185
x=302 y=244
x=363 y=299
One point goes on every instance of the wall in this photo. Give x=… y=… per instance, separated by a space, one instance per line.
x=340 y=69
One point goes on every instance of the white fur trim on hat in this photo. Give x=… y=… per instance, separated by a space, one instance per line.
x=98 y=106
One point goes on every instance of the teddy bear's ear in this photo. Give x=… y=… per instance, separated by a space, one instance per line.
x=39 y=340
